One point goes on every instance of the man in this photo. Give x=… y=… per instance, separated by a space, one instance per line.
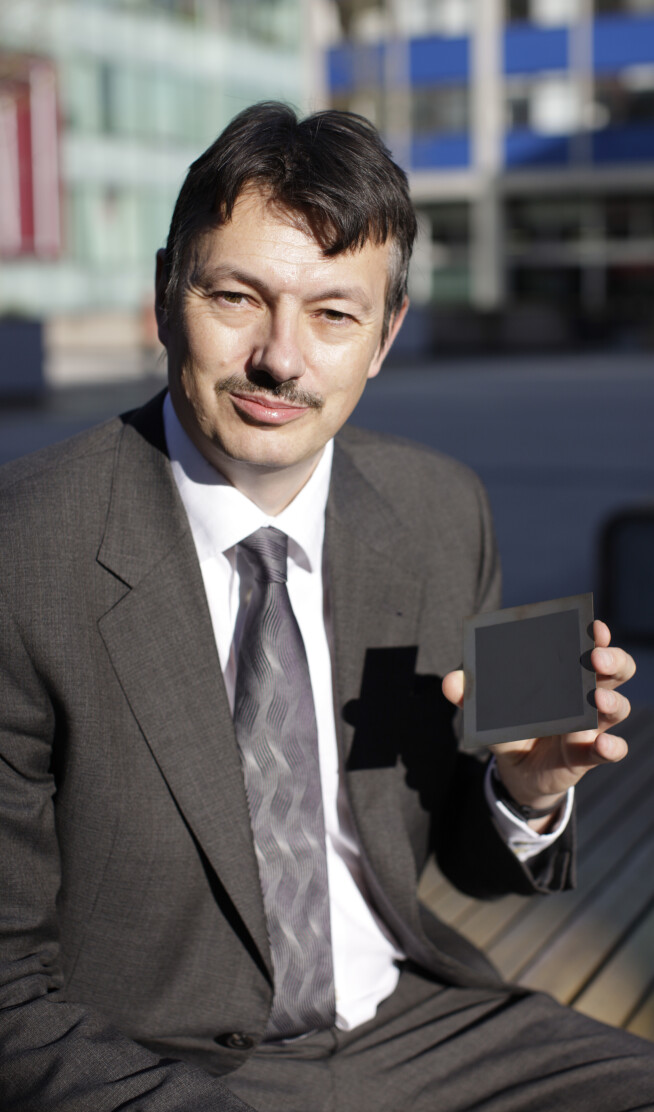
x=225 y=752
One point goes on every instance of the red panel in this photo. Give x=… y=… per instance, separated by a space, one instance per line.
x=24 y=137
x=30 y=209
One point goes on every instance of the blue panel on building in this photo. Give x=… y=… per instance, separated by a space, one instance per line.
x=339 y=68
x=534 y=49
x=355 y=66
x=443 y=152
x=439 y=61
x=620 y=41
x=630 y=143
x=525 y=149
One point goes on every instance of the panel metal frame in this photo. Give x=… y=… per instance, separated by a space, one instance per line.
x=473 y=738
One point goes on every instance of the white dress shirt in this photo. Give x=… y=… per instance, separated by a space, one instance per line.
x=364 y=953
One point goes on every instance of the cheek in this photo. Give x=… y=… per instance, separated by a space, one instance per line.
x=341 y=399
x=214 y=349
x=342 y=369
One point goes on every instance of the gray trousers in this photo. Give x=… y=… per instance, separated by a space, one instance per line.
x=434 y=1048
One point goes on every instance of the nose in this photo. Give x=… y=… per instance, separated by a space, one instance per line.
x=277 y=351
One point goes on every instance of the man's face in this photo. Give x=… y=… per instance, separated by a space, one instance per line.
x=272 y=343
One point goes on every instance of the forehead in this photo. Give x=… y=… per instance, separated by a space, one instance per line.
x=263 y=238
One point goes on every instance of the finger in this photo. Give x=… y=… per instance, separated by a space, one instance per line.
x=613 y=707
x=601 y=634
x=613 y=666
x=604 y=749
x=453 y=687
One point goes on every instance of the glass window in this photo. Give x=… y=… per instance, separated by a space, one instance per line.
x=450 y=224
x=555 y=106
x=439 y=17
x=517 y=108
x=107 y=91
x=167 y=99
x=275 y=21
x=85 y=229
x=155 y=210
x=440 y=110
x=553 y=13
x=176 y=7
x=629 y=217
x=371 y=20
x=154 y=104
x=105 y=226
x=517 y=11
x=210 y=112
x=553 y=284
x=125 y=100
x=630 y=7
x=366 y=102
x=540 y=220
x=81 y=96
x=620 y=102
x=547 y=105
x=451 y=285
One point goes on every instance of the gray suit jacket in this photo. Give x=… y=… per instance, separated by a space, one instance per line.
x=133 y=949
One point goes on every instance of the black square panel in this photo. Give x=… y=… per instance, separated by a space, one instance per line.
x=527 y=672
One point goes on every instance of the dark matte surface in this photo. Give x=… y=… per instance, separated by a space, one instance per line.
x=528 y=670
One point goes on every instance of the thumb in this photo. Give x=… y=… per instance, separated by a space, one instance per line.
x=453 y=687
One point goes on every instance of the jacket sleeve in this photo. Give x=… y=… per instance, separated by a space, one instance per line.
x=470 y=849
x=56 y=1055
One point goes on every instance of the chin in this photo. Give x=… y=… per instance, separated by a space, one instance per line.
x=264 y=456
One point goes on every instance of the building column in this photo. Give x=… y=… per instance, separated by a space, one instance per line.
x=487 y=251
x=397 y=86
x=582 y=68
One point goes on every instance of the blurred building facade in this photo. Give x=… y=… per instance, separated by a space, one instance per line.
x=527 y=128
x=103 y=105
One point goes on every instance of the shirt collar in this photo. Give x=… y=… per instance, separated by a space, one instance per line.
x=220 y=516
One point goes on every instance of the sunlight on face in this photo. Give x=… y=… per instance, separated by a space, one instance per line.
x=273 y=342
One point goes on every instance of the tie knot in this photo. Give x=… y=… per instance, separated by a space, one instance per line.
x=267 y=548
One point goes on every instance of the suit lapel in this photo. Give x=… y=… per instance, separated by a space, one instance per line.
x=375 y=604
x=161 y=644
x=375 y=591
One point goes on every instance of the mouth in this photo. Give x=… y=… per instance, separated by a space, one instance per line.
x=263 y=409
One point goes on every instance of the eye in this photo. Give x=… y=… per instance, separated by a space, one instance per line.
x=336 y=316
x=231 y=297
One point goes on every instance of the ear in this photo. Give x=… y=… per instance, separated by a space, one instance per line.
x=160 y=283
x=394 y=328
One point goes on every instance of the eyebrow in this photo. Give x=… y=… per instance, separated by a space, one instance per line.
x=333 y=293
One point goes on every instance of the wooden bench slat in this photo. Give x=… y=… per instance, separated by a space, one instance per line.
x=642 y=1021
x=452 y=904
x=484 y=924
x=618 y=784
x=610 y=785
x=593 y=947
x=616 y=990
x=542 y=919
x=594 y=789
x=513 y=928
x=566 y=964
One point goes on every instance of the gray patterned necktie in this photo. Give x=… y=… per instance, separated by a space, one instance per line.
x=275 y=724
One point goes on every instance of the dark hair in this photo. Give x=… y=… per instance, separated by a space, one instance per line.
x=331 y=168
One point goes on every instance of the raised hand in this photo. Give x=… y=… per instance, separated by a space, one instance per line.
x=537 y=770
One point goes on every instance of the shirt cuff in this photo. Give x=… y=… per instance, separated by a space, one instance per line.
x=518 y=835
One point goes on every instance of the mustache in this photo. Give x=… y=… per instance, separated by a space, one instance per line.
x=284 y=391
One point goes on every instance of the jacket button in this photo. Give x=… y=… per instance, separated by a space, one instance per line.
x=235 y=1040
